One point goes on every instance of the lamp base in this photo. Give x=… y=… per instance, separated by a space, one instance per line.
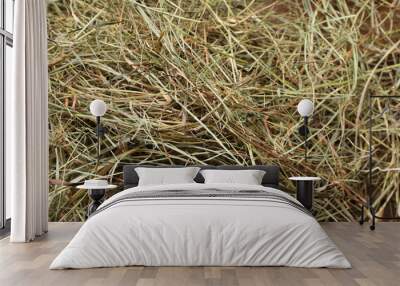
x=97 y=196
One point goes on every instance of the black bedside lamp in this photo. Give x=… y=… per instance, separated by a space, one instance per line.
x=305 y=109
x=98 y=108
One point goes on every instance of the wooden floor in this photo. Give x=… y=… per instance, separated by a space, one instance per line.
x=375 y=257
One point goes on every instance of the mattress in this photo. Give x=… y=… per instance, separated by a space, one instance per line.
x=201 y=225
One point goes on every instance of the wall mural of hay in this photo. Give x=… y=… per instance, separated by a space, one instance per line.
x=217 y=82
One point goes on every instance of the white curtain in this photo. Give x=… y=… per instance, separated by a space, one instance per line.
x=27 y=124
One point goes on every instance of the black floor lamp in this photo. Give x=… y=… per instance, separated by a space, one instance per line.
x=305 y=109
x=98 y=108
x=97 y=188
x=369 y=203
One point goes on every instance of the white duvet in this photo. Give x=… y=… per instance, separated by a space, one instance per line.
x=193 y=231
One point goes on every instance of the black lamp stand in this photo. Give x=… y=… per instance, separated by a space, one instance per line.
x=100 y=131
x=303 y=130
x=369 y=204
x=97 y=195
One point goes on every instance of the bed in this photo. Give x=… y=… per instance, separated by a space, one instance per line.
x=201 y=224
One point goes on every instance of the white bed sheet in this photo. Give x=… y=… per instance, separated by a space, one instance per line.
x=200 y=232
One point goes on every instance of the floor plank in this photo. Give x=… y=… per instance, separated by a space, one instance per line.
x=375 y=257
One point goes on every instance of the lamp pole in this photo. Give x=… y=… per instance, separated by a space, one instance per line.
x=98 y=131
x=305 y=137
x=305 y=109
x=98 y=108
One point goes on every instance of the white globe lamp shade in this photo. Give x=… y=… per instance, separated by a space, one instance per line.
x=98 y=107
x=305 y=108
